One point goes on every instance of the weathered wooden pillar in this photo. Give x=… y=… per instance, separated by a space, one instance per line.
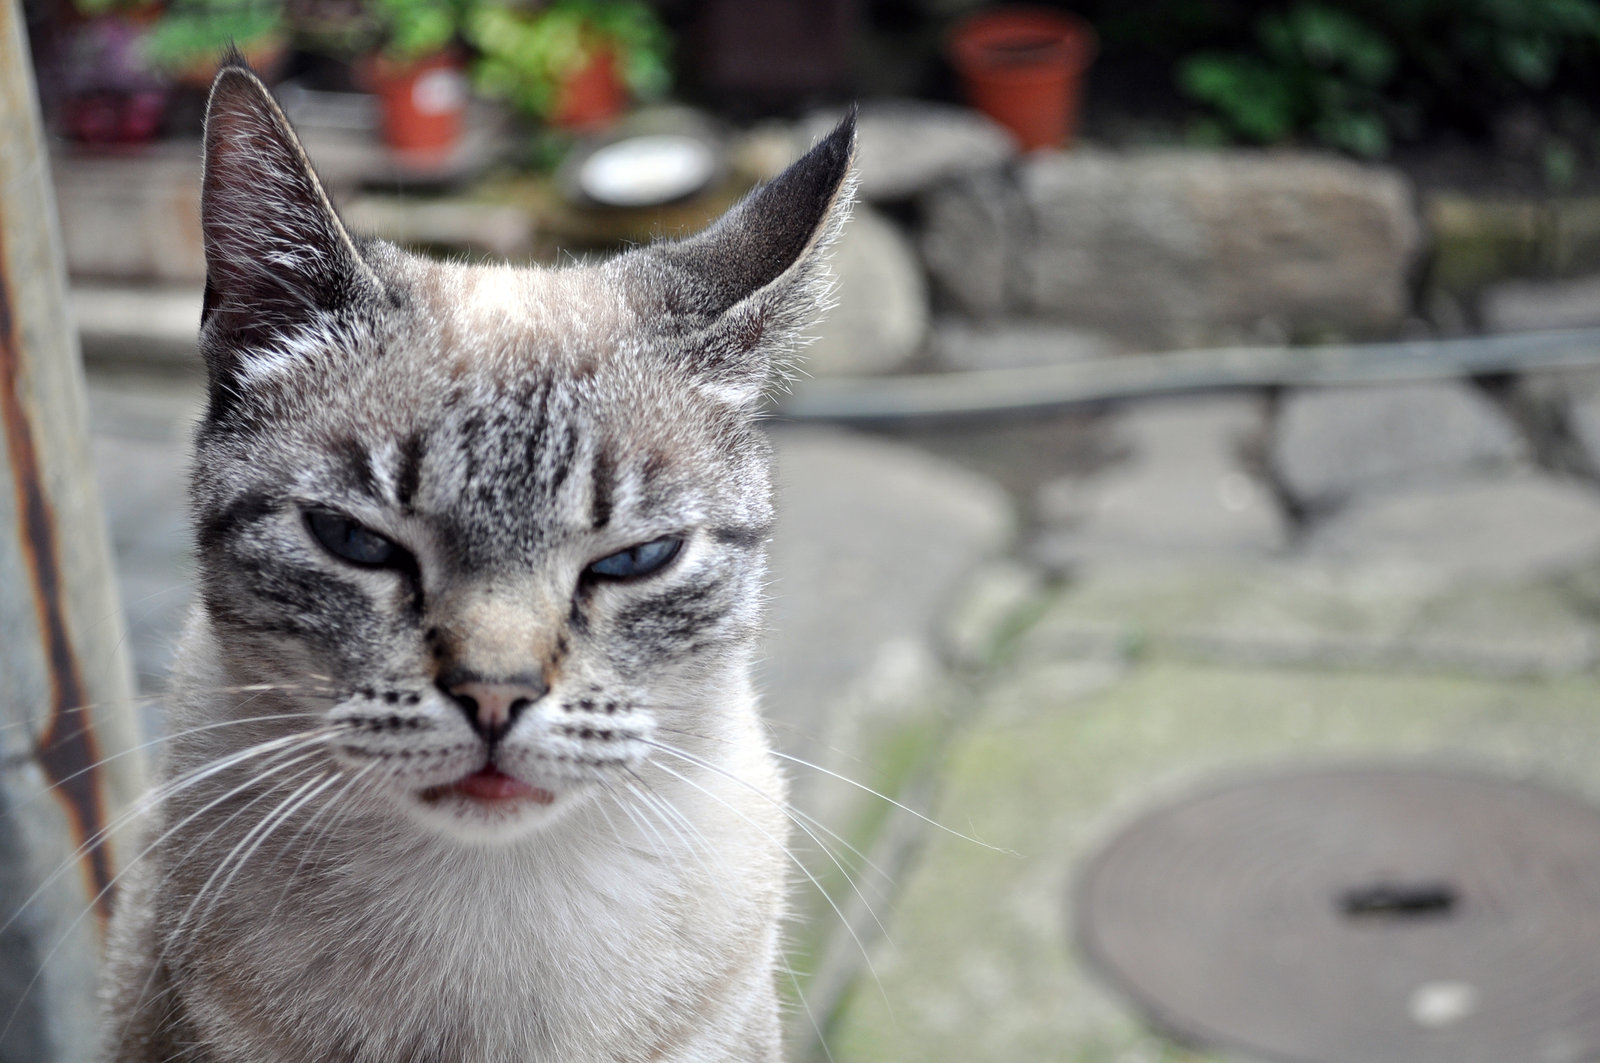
x=65 y=702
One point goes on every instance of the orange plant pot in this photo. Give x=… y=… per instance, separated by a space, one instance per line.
x=1024 y=67
x=591 y=97
x=421 y=103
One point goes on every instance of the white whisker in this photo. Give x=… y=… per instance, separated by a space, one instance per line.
x=263 y=830
x=865 y=955
x=904 y=808
x=788 y=811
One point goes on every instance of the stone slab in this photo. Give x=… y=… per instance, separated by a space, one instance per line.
x=132 y=217
x=139 y=323
x=1332 y=443
x=1183 y=489
x=1506 y=528
x=1530 y=305
x=874 y=541
x=980 y=964
x=1297 y=613
x=1577 y=398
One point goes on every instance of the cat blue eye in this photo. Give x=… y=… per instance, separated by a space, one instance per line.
x=640 y=560
x=346 y=539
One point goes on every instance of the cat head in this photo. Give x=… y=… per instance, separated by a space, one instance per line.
x=500 y=523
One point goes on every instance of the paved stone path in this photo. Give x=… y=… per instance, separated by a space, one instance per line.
x=1035 y=663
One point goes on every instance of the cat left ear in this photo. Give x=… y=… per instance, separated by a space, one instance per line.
x=276 y=253
x=738 y=295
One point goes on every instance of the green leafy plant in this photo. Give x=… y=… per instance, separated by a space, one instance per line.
x=197 y=31
x=416 y=29
x=1318 y=69
x=526 y=54
x=1360 y=74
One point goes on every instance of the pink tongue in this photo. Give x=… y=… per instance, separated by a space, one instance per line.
x=492 y=784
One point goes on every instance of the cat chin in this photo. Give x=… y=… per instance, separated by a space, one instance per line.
x=448 y=811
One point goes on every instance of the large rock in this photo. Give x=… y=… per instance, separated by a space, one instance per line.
x=1181 y=247
x=1333 y=443
x=881 y=316
x=962 y=344
x=907 y=146
x=974 y=234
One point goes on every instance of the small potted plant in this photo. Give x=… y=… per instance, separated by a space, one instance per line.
x=110 y=93
x=417 y=74
x=574 y=64
x=190 y=36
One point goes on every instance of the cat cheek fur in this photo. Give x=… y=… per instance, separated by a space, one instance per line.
x=464 y=800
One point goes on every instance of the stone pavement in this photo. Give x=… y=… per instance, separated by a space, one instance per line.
x=1207 y=625
x=1239 y=585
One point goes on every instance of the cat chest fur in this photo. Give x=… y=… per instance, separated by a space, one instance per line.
x=464 y=762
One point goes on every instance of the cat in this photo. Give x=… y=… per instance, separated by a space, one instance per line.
x=464 y=761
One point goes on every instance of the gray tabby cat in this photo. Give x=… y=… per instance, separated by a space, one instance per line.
x=465 y=762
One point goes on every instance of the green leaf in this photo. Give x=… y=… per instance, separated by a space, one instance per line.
x=1333 y=39
x=1255 y=99
x=1531 y=59
x=1360 y=133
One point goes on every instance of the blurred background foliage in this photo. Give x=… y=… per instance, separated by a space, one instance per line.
x=1358 y=76
x=1367 y=77
x=1370 y=78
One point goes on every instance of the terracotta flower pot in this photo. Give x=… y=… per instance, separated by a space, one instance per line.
x=421 y=103
x=591 y=97
x=1024 y=67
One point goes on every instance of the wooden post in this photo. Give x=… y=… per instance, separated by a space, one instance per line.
x=65 y=702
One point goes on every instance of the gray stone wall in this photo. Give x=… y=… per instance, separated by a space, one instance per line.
x=1180 y=247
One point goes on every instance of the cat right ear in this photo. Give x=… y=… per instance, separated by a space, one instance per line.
x=277 y=256
x=736 y=297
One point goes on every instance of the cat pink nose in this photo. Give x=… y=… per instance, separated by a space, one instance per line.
x=492 y=705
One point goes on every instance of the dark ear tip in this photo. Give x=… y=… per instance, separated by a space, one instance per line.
x=842 y=141
x=830 y=158
x=235 y=69
x=232 y=56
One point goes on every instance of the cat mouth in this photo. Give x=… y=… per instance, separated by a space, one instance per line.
x=490 y=786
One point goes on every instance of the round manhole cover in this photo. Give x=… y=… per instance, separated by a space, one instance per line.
x=1359 y=916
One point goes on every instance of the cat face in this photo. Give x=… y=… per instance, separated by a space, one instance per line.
x=500 y=524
